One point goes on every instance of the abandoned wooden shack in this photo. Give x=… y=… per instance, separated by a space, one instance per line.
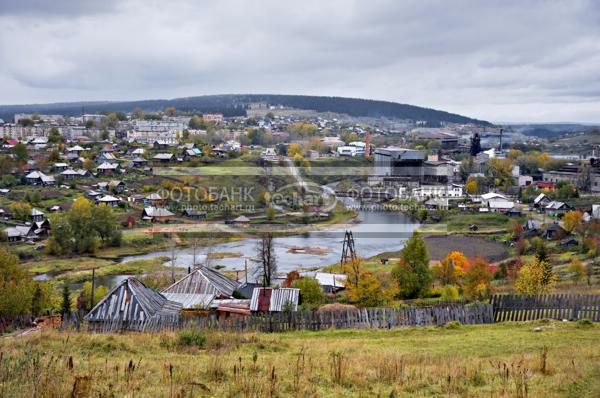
x=201 y=290
x=132 y=306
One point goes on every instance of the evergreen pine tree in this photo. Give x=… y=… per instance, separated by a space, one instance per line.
x=412 y=273
x=65 y=307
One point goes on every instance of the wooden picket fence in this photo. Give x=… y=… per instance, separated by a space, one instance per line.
x=366 y=318
x=501 y=308
x=510 y=307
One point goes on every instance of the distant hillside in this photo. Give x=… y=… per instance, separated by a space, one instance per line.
x=236 y=104
x=551 y=130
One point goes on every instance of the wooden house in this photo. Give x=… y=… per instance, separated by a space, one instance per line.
x=155 y=199
x=331 y=283
x=108 y=200
x=242 y=221
x=133 y=306
x=554 y=232
x=194 y=214
x=198 y=289
x=157 y=214
x=107 y=168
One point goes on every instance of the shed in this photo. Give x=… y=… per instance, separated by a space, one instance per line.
x=132 y=303
x=242 y=220
x=266 y=299
x=194 y=214
x=331 y=282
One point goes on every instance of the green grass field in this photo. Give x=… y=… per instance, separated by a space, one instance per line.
x=540 y=359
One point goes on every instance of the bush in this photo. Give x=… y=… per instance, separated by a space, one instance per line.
x=452 y=325
x=191 y=338
x=450 y=293
x=584 y=323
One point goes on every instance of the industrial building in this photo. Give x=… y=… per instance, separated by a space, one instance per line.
x=409 y=167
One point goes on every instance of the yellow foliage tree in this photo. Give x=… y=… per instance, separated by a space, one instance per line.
x=471 y=186
x=294 y=149
x=531 y=279
x=572 y=220
x=363 y=287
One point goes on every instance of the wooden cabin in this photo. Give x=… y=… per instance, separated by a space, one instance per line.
x=132 y=306
x=198 y=289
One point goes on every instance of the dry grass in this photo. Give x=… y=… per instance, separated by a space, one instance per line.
x=507 y=360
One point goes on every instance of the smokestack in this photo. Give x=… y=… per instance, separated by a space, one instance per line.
x=500 y=140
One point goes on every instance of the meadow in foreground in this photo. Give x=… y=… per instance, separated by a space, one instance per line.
x=536 y=359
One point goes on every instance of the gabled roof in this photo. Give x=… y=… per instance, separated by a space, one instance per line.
x=157 y=212
x=76 y=148
x=36 y=212
x=154 y=196
x=35 y=175
x=197 y=286
x=241 y=219
x=540 y=197
x=108 y=198
x=131 y=300
x=492 y=195
x=18 y=231
x=556 y=205
x=163 y=156
x=327 y=279
x=107 y=166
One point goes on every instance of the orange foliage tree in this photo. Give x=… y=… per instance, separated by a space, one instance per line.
x=478 y=278
x=450 y=269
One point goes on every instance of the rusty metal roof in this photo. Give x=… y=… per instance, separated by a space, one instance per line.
x=279 y=299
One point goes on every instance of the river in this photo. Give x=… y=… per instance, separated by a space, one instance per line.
x=374 y=232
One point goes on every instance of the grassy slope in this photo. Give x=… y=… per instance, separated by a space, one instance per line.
x=423 y=362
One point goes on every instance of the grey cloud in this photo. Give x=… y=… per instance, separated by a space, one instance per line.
x=50 y=8
x=495 y=59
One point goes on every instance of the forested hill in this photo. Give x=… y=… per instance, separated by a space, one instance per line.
x=236 y=104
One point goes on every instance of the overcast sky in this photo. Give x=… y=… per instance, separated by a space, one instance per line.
x=502 y=61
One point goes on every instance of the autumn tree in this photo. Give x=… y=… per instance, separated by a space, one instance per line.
x=294 y=149
x=311 y=292
x=576 y=269
x=412 y=273
x=451 y=268
x=106 y=224
x=84 y=300
x=82 y=223
x=478 y=278
x=363 y=287
x=20 y=210
x=532 y=278
x=15 y=286
x=572 y=220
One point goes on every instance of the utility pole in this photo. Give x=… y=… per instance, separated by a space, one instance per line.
x=173 y=256
x=93 y=287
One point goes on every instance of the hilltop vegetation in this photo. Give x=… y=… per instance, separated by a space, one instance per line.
x=236 y=104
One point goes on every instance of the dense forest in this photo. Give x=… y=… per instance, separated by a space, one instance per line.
x=235 y=105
